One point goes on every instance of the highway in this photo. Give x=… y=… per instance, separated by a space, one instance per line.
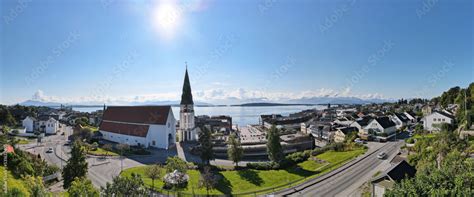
x=339 y=182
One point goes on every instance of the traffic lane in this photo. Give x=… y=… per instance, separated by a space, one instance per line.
x=358 y=173
x=337 y=183
x=309 y=184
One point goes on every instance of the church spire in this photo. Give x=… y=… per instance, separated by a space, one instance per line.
x=186 y=97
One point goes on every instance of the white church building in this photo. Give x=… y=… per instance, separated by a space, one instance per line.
x=187 y=127
x=146 y=126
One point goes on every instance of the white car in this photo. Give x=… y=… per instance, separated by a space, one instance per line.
x=382 y=155
x=50 y=150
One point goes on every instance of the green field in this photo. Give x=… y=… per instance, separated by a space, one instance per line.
x=235 y=182
x=12 y=182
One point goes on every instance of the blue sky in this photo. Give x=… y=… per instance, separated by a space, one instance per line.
x=118 y=51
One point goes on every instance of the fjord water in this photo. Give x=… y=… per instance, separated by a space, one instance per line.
x=240 y=115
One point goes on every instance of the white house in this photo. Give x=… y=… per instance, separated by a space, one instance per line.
x=147 y=126
x=45 y=124
x=48 y=125
x=400 y=120
x=381 y=128
x=342 y=133
x=29 y=124
x=411 y=117
x=434 y=120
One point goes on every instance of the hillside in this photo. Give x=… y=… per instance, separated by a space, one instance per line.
x=12 y=182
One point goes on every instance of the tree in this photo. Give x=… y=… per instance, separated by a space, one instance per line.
x=83 y=121
x=83 y=134
x=125 y=186
x=443 y=168
x=274 y=149
x=207 y=179
x=76 y=165
x=175 y=163
x=6 y=117
x=153 y=172
x=35 y=186
x=14 y=192
x=107 y=147
x=235 y=151
x=205 y=142
x=95 y=146
x=122 y=148
x=82 y=187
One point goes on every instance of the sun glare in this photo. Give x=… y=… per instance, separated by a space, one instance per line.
x=167 y=17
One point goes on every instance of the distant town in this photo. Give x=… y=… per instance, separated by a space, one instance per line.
x=303 y=153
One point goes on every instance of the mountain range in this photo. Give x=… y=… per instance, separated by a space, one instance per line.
x=301 y=101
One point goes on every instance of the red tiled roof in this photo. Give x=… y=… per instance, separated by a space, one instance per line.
x=138 y=114
x=9 y=149
x=125 y=129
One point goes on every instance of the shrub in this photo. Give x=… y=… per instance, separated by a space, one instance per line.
x=410 y=141
x=263 y=165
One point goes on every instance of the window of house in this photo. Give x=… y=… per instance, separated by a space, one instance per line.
x=434 y=119
x=153 y=143
x=439 y=119
x=443 y=119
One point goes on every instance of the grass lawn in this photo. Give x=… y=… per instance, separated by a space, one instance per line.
x=12 y=182
x=235 y=182
x=23 y=141
x=419 y=136
x=102 y=152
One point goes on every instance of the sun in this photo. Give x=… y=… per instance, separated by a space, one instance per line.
x=167 y=18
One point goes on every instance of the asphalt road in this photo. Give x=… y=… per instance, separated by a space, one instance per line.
x=337 y=183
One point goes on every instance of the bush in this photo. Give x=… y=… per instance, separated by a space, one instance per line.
x=410 y=141
x=263 y=165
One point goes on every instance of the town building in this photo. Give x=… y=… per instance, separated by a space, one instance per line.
x=388 y=178
x=217 y=124
x=400 y=120
x=187 y=127
x=43 y=124
x=381 y=129
x=342 y=133
x=146 y=126
x=433 y=121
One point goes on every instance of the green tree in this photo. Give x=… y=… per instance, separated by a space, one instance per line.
x=36 y=187
x=82 y=187
x=125 y=186
x=14 y=192
x=176 y=163
x=83 y=121
x=205 y=142
x=235 y=151
x=274 y=149
x=153 y=172
x=6 y=118
x=207 y=179
x=443 y=168
x=76 y=165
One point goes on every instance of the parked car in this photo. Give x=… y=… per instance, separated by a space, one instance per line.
x=382 y=155
x=50 y=150
x=359 y=141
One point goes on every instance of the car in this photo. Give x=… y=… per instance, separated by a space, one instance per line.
x=50 y=150
x=382 y=155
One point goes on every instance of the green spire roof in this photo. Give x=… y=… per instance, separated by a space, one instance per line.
x=186 y=97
